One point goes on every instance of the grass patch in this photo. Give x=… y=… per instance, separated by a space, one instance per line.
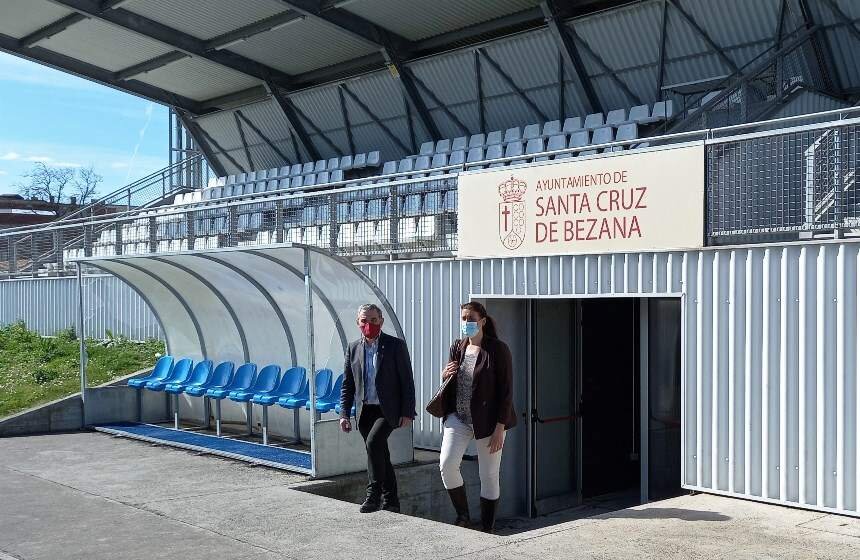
x=36 y=369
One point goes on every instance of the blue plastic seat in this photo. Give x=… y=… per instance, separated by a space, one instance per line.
x=160 y=371
x=266 y=381
x=327 y=402
x=221 y=377
x=292 y=382
x=242 y=379
x=179 y=374
x=200 y=376
x=322 y=387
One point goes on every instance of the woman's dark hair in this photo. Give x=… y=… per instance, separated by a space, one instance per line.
x=489 y=324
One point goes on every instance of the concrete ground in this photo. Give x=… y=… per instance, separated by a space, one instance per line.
x=88 y=495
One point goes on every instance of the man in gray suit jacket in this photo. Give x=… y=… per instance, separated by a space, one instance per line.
x=377 y=378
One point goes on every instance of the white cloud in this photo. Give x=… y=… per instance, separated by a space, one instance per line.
x=119 y=165
x=3 y=172
x=45 y=159
x=15 y=69
x=9 y=156
x=66 y=164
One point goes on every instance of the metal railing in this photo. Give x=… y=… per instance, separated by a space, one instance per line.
x=761 y=185
x=28 y=252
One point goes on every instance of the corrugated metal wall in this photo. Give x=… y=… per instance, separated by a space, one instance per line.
x=770 y=395
x=48 y=305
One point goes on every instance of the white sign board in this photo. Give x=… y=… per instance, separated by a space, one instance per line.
x=636 y=201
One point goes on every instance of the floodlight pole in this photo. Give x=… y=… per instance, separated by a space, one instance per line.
x=82 y=345
x=309 y=307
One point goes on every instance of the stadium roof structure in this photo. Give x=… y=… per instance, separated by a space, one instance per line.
x=260 y=83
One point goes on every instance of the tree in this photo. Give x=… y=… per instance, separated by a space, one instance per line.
x=53 y=184
x=46 y=183
x=85 y=183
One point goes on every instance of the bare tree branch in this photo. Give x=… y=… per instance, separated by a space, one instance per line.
x=86 y=183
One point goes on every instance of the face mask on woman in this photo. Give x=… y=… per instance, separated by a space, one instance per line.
x=469 y=328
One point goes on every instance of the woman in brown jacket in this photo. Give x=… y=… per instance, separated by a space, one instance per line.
x=478 y=405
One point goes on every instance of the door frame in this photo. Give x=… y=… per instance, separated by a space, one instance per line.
x=643 y=392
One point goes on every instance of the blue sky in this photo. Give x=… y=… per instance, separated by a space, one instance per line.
x=63 y=120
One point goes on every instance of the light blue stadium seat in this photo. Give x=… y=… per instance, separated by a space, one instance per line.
x=592 y=121
x=494 y=151
x=512 y=134
x=406 y=165
x=531 y=131
x=603 y=135
x=230 y=180
x=477 y=141
x=329 y=401
x=309 y=180
x=475 y=155
x=345 y=163
x=389 y=167
x=536 y=146
x=551 y=128
x=616 y=117
x=322 y=178
x=276 y=184
x=242 y=379
x=296 y=182
x=322 y=386
x=360 y=161
x=319 y=166
x=557 y=142
x=265 y=382
x=514 y=149
x=458 y=157
x=221 y=377
x=422 y=163
x=439 y=160
x=200 y=376
x=459 y=143
x=336 y=176
x=295 y=169
x=332 y=164
x=443 y=146
x=579 y=139
x=292 y=382
x=426 y=149
x=161 y=370
x=628 y=131
x=373 y=159
x=284 y=171
x=179 y=374
x=572 y=124
x=494 y=137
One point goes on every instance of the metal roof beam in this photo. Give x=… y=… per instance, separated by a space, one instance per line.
x=837 y=11
x=151 y=64
x=357 y=27
x=96 y=74
x=661 y=62
x=50 y=30
x=718 y=50
x=407 y=83
x=272 y=23
x=441 y=105
x=375 y=119
x=196 y=132
x=236 y=99
x=823 y=55
x=263 y=137
x=174 y=38
x=567 y=47
x=289 y=112
x=244 y=141
x=513 y=85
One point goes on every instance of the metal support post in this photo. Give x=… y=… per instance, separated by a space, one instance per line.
x=82 y=348
x=175 y=411
x=218 y=417
x=312 y=380
x=249 y=412
x=265 y=425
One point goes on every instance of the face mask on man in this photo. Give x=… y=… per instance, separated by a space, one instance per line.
x=370 y=330
x=469 y=328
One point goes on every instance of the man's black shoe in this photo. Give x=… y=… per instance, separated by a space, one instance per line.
x=370 y=505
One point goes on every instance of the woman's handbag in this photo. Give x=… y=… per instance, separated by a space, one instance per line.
x=436 y=406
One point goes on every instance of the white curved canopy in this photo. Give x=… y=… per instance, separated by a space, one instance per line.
x=243 y=304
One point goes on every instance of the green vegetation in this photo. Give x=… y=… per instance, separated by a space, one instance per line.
x=36 y=369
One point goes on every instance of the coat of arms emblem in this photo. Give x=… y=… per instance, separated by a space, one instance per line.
x=512 y=213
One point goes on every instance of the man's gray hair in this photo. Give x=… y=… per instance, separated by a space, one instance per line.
x=367 y=307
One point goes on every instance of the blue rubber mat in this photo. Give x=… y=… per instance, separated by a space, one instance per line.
x=278 y=457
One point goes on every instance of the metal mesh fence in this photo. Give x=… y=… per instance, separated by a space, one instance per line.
x=773 y=187
x=404 y=218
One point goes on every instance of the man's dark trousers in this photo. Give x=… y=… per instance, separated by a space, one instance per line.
x=375 y=430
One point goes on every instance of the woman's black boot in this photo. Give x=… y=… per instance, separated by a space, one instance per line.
x=488 y=514
x=461 y=505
